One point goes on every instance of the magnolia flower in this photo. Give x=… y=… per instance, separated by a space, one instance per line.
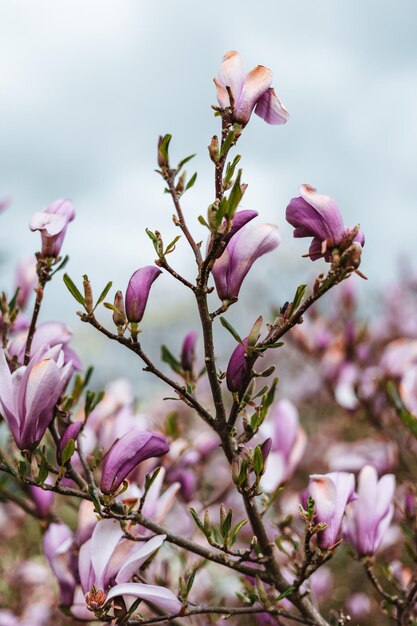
x=237 y=367
x=71 y=432
x=53 y=222
x=288 y=444
x=331 y=493
x=137 y=292
x=249 y=91
x=57 y=543
x=28 y=396
x=369 y=517
x=126 y=453
x=47 y=333
x=42 y=498
x=243 y=249
x=188 y=351
x=106 y=563
x=318 y=216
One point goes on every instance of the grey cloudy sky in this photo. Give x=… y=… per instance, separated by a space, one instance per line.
x=87 y=86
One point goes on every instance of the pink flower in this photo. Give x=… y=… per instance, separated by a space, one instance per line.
x=369 y=517
x=28 y=396
x=53 y=222
x=331 y=493
x=288 y=444
x=105 y=566
x=249 y=91
x=318 y=216
x=137 y=292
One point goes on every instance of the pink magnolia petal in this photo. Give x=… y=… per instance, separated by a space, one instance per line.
x=160 y=597
x=232 y=74
x=104 y=540
x=257 y=81
x=270 y=108
x=51 y=223
x=137 y=557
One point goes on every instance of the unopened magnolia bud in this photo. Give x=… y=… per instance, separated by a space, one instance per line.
x=88 y=294
x=213 y=149
x=162 y=162
x=137 y=292
x=119 y=316
x=95 y=599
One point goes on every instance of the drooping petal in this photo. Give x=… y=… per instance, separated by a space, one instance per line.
x=157 y=596
x=270 y=108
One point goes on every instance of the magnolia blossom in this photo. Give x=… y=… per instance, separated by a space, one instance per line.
x=237 y=367
x=52 y=223
x=369 y=517
x=318 y=216
x=47 y=333
x=331 y=493
x=288 y=444
x=106 y=563
x=71 y=432
x=42 y=498
x=243 y=249
x=137 y=292
x=249 y=91
x=188 y=351
x=126 y=453
x=57 y=543
x=28 y=396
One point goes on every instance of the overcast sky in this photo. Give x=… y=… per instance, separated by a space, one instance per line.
x=88 y=85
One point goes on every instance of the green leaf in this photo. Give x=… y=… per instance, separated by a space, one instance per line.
x=73 y=290
x=67 y=452
x=184 y=161
x=299 y=294
x=151 y=235
x=227 y=524
x=286 y=593
x=254 y=332
x=104 y=293
x=163 y=148
x=60 y=266
x=43 y=471
x=169 y=358
x=203 y=221
x=230 y=139
x=198 y=522
x=171 y=246
x=171 y=425
x=258 y=461
x=12 y=303
x=231 y=330
x=191 y=182
x=235 y=530
x=230 y=170
x=235 y=196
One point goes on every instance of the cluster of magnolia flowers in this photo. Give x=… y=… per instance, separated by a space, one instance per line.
x=126 y=463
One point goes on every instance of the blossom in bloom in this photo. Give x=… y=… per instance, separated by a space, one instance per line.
x=106 y=563
x=28 y=396
x=126 y=453
x=318 y=216
x=249 y=91
x=188 y=351
x=331 y=493
x=369 y=517
x=288 y=444
x=57 y=542
x=47 y=333
x=243 y=249
x=137 y=292
x=52 y=222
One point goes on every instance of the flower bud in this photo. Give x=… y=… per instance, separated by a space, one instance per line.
x=71 y=432
x=52 y=223
x=237 y=368
x=119 y=317
x=137 y=292
x=188 y=351
x=126 y=453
